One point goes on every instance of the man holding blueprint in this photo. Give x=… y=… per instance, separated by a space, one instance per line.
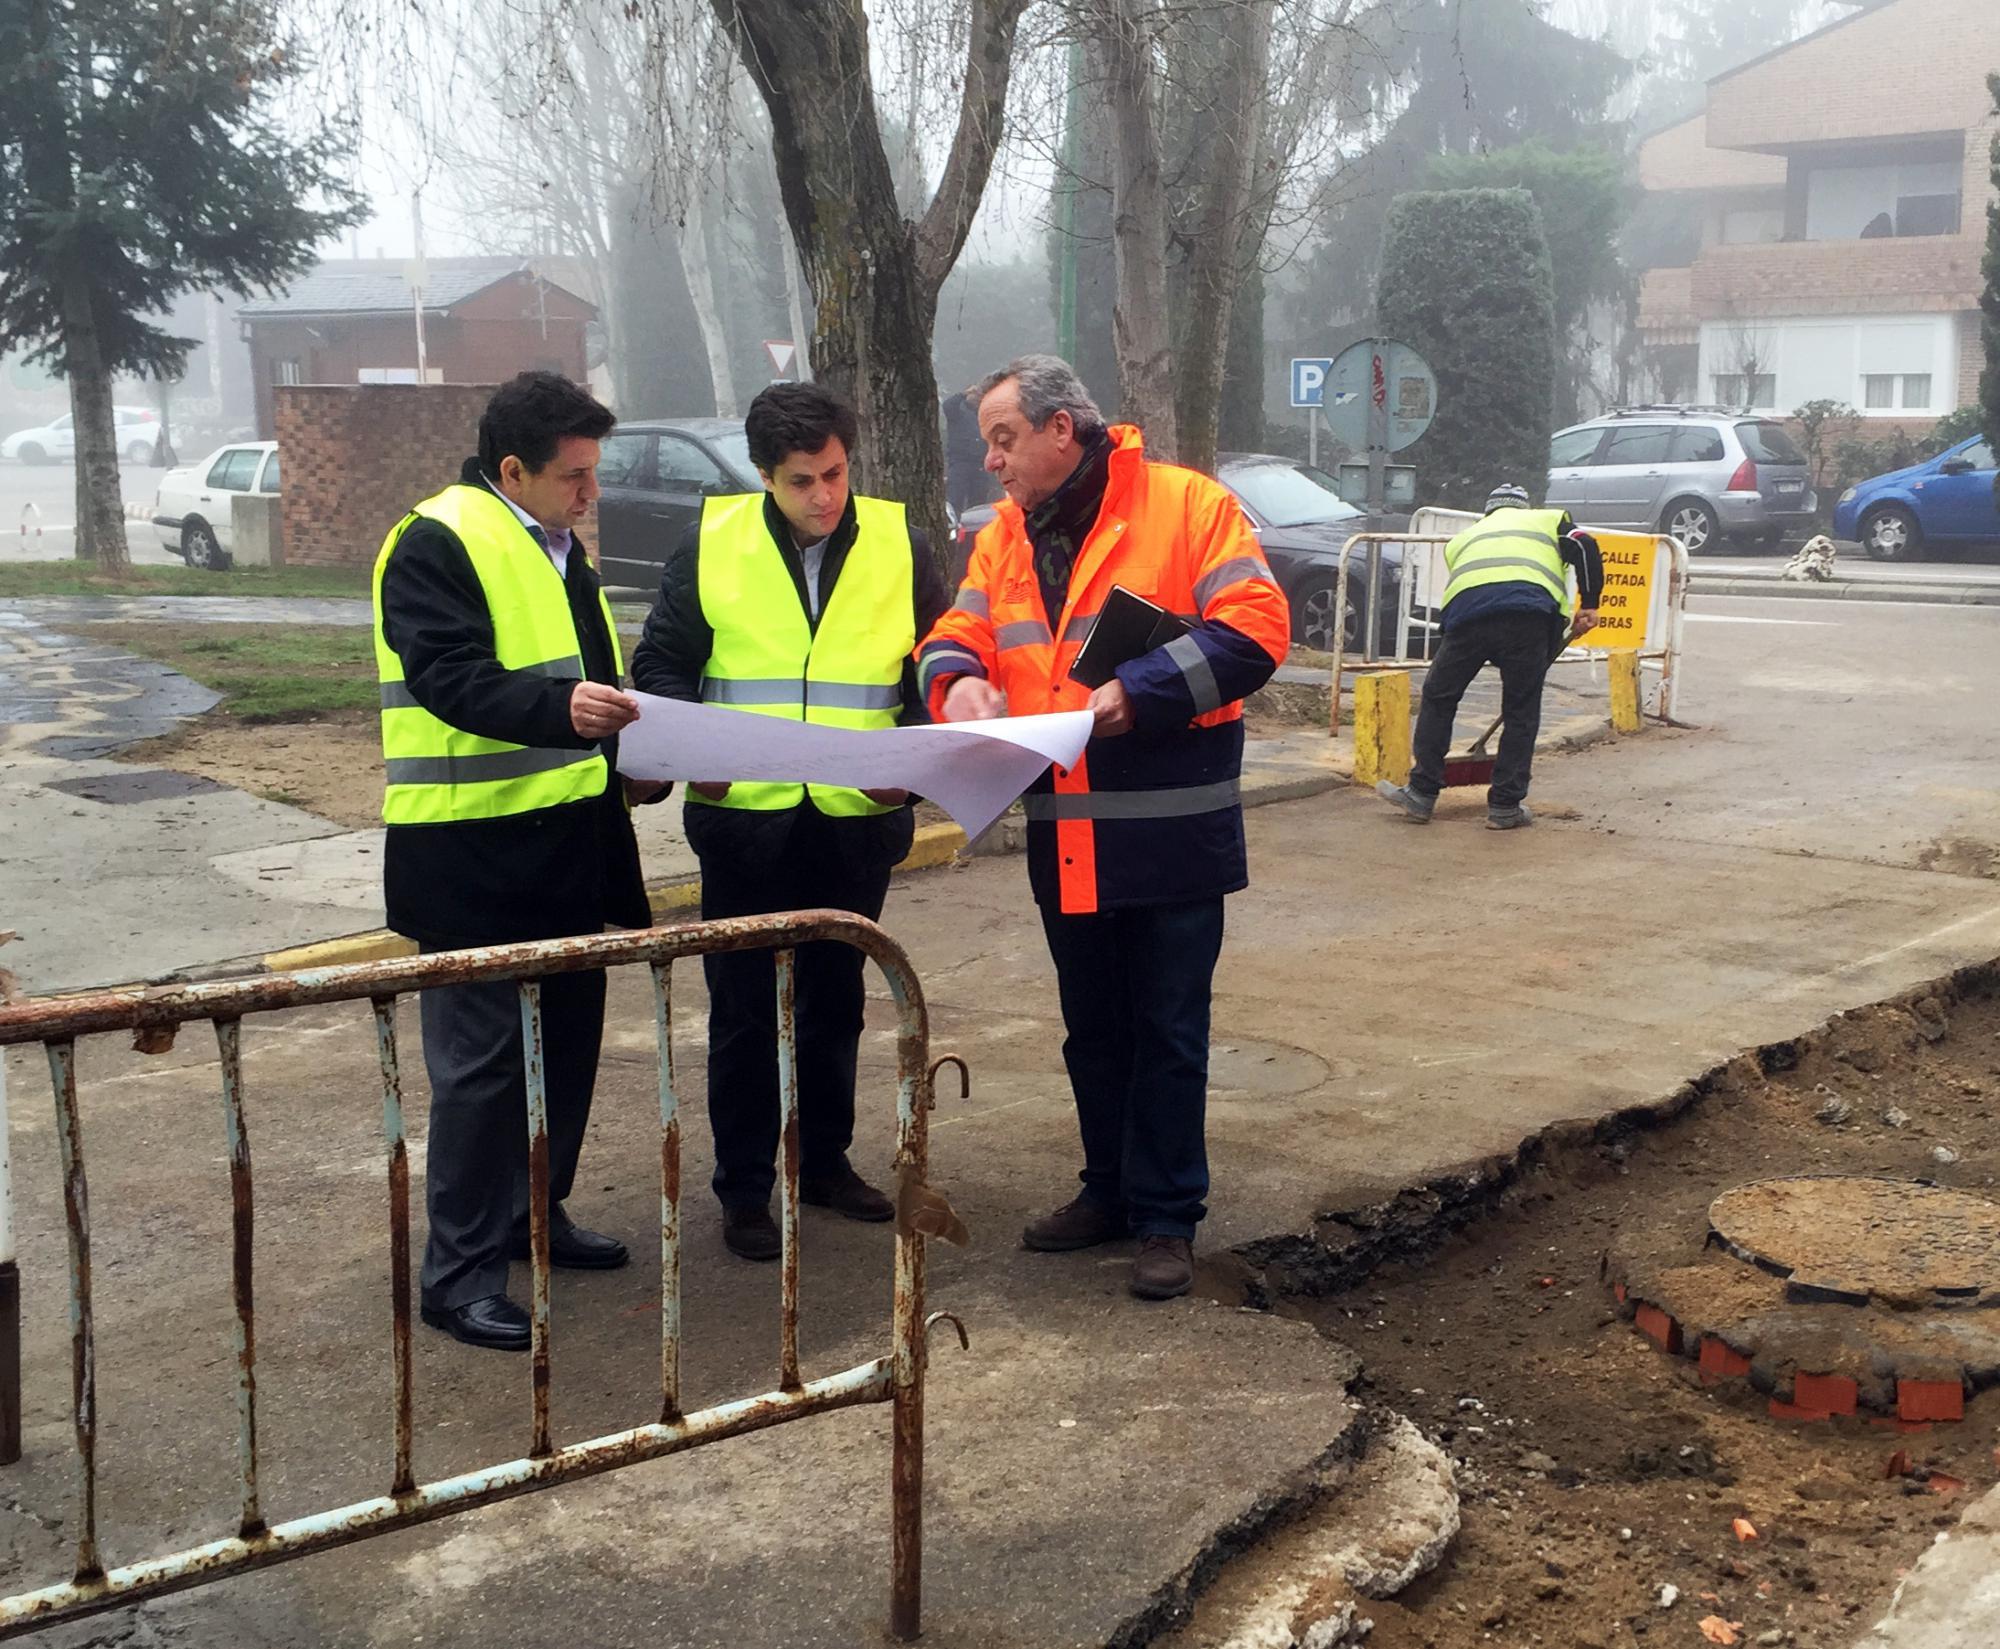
x=1133 y=844
x=802 y=604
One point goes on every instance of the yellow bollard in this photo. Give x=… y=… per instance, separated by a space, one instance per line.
x=1382 y=727
x=1625 y=692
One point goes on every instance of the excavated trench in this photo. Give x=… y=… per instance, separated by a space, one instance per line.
x=1627 y=1424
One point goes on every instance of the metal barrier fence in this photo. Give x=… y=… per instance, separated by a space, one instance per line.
x=154 y=1017
x=1417 y=585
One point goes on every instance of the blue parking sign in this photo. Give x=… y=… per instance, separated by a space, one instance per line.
x=1309 y=379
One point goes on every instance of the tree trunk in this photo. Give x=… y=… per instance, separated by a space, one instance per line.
x=1141 y=319
x=1228 y=139
x=100 y=513
x=874 y=277
x=795 y=304
x=699 y=270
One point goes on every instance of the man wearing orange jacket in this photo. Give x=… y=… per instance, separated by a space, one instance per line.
x=1131 y=851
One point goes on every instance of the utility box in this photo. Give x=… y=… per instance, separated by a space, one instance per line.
x=257 y=530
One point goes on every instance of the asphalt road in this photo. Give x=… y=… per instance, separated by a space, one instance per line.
x=44 y=496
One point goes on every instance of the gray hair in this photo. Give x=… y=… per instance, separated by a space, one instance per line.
x=1047 y=384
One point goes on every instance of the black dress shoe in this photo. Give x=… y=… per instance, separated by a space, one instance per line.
x=751 y=1233
x=495 y=1322
x=574 y=1249
x=846 y=1192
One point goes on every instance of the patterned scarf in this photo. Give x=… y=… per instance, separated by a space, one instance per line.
x=1059 y=524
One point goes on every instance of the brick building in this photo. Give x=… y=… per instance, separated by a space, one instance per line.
x=485 y=319
x=1837 y=189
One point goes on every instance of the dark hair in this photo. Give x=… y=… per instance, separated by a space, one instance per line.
x=529 y=415
x=788 y=418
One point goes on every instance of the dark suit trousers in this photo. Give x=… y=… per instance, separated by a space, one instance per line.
x=1134 y=986
x=810 y=871
x=476 y=1184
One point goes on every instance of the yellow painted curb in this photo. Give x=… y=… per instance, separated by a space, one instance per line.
x=935 y=845
x=378 y=946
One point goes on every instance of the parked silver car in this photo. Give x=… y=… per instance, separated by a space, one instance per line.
x=1703 y=474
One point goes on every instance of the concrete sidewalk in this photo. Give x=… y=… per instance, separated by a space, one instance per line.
x=1828 y=841
x=115 y=874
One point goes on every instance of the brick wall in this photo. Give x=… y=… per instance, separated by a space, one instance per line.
x=1909 y=68
x=357 y=456
x=1971 y=358
x=1848 y=277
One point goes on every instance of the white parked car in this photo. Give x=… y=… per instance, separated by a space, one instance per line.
x=138 y=435
x=193 y=506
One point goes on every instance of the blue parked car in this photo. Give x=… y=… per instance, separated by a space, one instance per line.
x=1945 y=504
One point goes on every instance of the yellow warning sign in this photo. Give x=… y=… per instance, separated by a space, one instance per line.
x=1629 y=562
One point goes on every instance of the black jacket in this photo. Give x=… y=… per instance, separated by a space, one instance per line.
x=675 y=649
x=541 y=875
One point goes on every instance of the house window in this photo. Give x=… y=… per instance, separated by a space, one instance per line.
x=1878 y=390
x=285 y=372
x=1758 y=391
x=398 y=375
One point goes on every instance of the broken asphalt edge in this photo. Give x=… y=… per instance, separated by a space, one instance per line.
x=936 y=847
x=1411 y=1224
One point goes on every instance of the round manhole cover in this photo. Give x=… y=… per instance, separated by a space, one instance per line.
x=1835 y=1237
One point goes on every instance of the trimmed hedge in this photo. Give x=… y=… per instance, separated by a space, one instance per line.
x=1467 y=283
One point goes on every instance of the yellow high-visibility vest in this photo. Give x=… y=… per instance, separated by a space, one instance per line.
x=438 y=773
x=1511 y=547
x=768 y=658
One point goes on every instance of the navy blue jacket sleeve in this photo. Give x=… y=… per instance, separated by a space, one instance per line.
x=434 y=617
x=1212 y=665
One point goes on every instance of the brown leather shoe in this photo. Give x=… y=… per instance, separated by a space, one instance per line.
x=1164 y=1268
x=751 y=1233
x=846 y=1192
x=1082 y=1223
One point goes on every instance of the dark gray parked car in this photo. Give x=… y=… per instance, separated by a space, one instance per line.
x=1302 y=522
x=654 y=474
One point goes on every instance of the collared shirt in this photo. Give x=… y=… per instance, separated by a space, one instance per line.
x=812 y=557
x=556 y=543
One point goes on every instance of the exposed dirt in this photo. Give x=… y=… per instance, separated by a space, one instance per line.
x=331 y=766
x=1596 y=1469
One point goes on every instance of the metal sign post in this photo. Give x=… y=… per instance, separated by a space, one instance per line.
x=1379 y=397
x=1308 y=391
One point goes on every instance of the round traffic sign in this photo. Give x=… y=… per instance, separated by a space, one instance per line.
x=1380 y=372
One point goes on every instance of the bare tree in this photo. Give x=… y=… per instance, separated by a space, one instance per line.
x=1127 y=37
x=610 y=165
x=1228 y=139
x=874 y=275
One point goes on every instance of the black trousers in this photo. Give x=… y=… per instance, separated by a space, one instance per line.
x=1522 y=646
x=811 y=871
x=1135 y=993
x=476 y=1174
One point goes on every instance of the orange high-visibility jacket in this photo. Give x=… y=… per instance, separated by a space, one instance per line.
x=1151 y=816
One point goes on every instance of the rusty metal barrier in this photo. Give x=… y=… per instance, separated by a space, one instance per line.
x=155 y=1016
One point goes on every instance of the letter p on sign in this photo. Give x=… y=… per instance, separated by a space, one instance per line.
x=1309 y=380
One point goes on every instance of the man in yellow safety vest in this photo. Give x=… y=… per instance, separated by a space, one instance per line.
x=1507 y=602
x=499 y=668
x=803 y=602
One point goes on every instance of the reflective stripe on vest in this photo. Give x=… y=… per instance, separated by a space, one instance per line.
x=768 y=659
x=1178 y=803
x=1510 y=547
x=439 y=774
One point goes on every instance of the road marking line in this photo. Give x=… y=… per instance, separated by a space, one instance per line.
x=1734 y=618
